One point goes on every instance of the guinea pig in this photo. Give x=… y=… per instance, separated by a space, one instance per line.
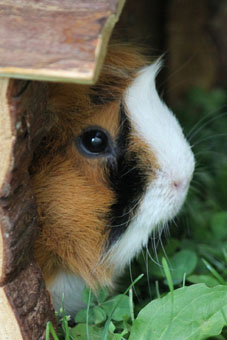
x=114 y=165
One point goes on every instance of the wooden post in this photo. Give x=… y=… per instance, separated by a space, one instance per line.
x=25 y=304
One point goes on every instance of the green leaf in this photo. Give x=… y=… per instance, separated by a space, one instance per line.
x=208 y=280
x=102 y=295
x=120 y=336
x=87 y=296
x=197 y=313
x=122 y=310
x=112 y=327
x=79 y=332
x=183 y=262
x=99 y=315
x=81 y=316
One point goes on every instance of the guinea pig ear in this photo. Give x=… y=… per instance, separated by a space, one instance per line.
x=100 y=95
x=121 y=64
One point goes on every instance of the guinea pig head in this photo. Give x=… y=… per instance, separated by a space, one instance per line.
x=114 y=166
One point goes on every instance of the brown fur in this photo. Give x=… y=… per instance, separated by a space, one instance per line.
x=72 y=193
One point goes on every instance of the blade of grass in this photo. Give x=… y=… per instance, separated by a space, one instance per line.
x=65 y=327
x=157 y=289
x=167 y=274
x=131 y=304
x=225 y=254
x=50 y=330
x=171 y=288
x=87 y=315
x=64 y=319
x=184 y=278
x=62 y=309
x=214 y=272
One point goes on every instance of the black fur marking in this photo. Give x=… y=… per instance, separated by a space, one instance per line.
x=128 y=179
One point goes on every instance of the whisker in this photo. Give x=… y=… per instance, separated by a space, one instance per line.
x=179 y=69
x=195 y=190
x=197 y=127
x=174 y=221
x=200 y=121
x=147 y=270
x=210 y=168
x=161 y=243
x=208 y=138
x=202 y=166
x=167 y=231
x=156 y=255
x=125 y=214
x=153 y=260
x=197 y=187
x=130 y=211
x=208 y=151
x=186 y=218
x=194 y=181
x=189 y=207
x=127 y=172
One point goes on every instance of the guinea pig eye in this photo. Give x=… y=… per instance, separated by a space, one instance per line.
x=94 y=142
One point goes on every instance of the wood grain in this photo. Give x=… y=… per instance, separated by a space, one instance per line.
x=25 y=303
x=55 y=39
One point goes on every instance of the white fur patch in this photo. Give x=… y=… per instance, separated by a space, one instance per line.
x=156 y=125
x=71 y=286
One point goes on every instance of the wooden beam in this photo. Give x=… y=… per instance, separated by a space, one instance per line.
x=55 y=40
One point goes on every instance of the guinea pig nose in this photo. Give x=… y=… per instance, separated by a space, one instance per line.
x=179 y=184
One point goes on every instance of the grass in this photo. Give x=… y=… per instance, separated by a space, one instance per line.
x=193 y=260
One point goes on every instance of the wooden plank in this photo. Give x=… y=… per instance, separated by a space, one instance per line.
x=55 y=40
x=25 y=303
